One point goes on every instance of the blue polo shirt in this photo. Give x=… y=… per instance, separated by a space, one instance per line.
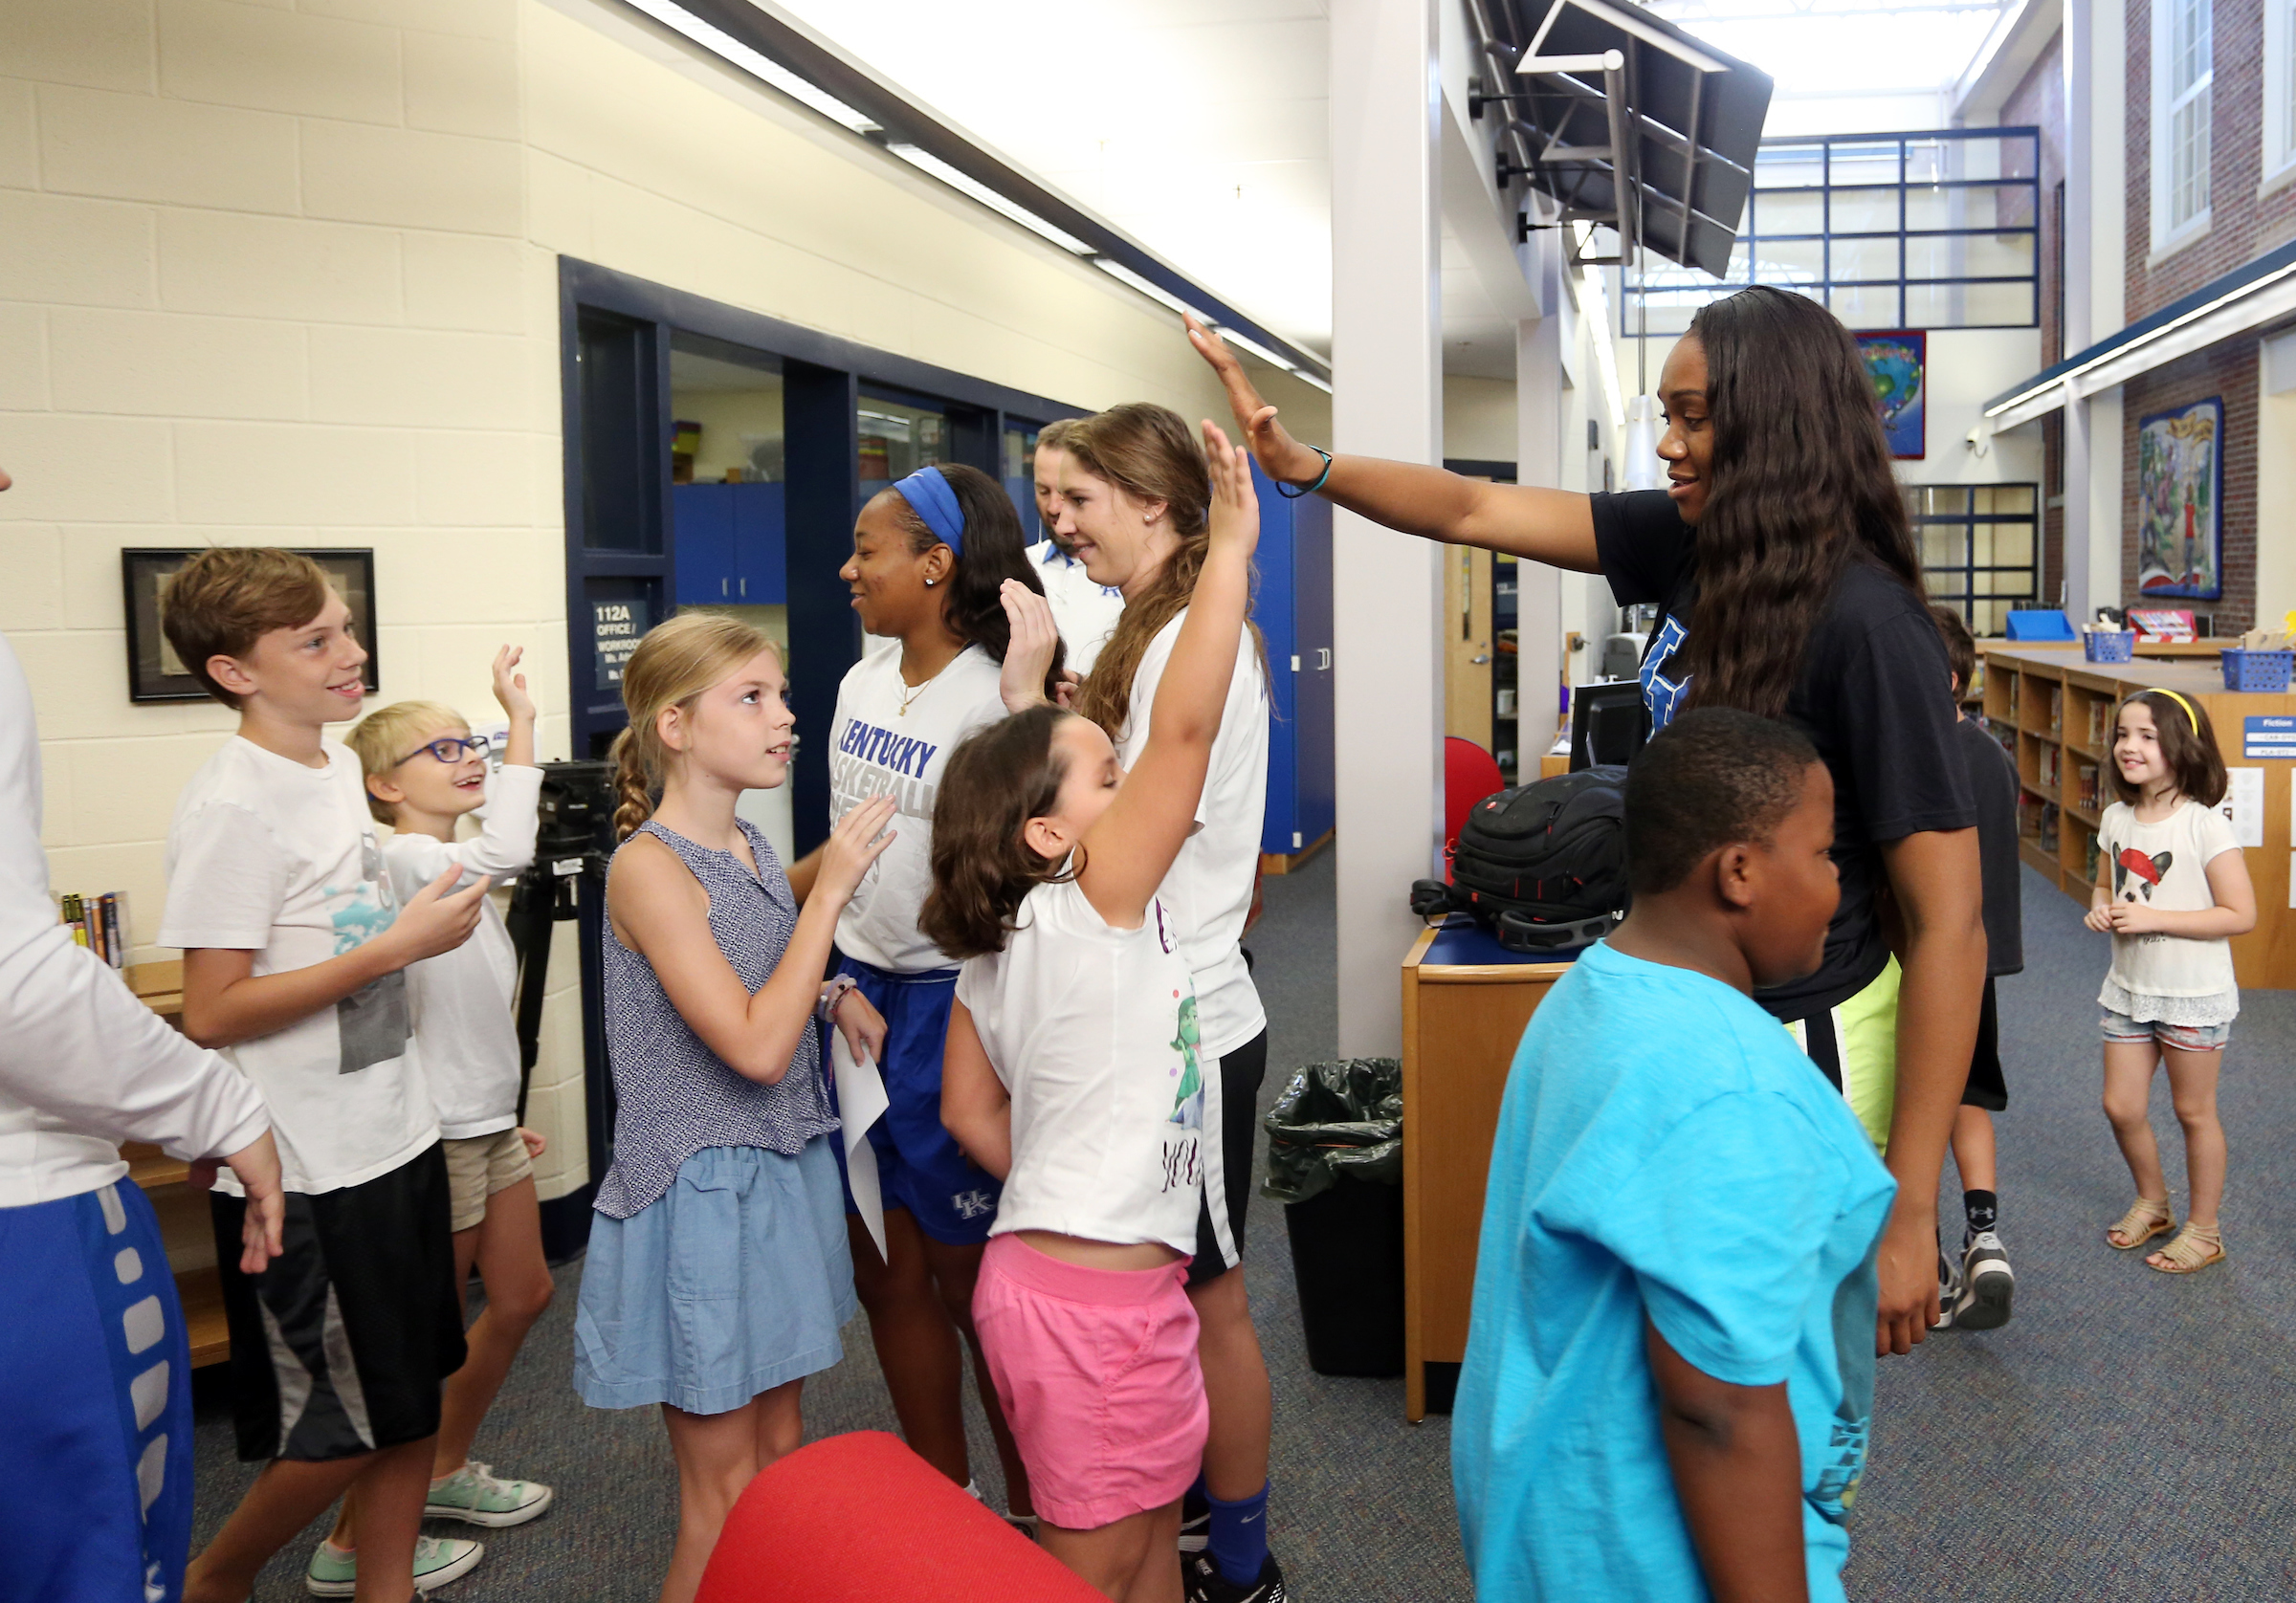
x=1664 y=1151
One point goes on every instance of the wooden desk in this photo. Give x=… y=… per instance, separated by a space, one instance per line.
x=1464 y=1004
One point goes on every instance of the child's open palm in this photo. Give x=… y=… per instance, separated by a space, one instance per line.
x=1235 y=510
x=510 y=687
x=858 y=841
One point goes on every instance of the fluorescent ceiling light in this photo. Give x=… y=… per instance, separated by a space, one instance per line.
x=1245 y=341
x=1154 y=292
x=2067 y=377
x=720 y=43
x=925 y=160
x=1306 y=377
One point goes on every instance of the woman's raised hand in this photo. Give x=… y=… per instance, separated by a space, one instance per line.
x=1028 y=657
x=858 y=841
x=1235 y=510
x=1280 y=457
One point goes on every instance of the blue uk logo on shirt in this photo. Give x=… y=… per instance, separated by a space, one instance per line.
x=1660 y=693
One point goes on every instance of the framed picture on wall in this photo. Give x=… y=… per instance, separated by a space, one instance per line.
x=1898 y=362
x=2180 y=501
x=154 y=671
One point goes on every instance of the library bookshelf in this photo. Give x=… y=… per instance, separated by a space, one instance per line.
x=182 y=1212
x=2052 y=710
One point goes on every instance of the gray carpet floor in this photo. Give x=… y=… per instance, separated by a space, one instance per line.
x=2127 y=1437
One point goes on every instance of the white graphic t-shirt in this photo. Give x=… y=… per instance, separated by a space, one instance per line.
x=1209 y=888
x=878 y=746
x=1093 y=1032
x=2159 y=978
x=269 y=856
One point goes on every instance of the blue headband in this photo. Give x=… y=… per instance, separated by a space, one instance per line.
x=928 y=492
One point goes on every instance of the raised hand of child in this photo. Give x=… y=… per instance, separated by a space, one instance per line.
x=858 y=841
x=1235 y=510
x=862 y=1026
x=510 y=687
x=438 y=918
x=1028 y=658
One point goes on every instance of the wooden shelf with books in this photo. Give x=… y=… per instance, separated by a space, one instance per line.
x=182 y=1212
x=2059 y=707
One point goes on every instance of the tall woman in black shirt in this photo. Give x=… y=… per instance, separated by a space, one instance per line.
x=1789 y=585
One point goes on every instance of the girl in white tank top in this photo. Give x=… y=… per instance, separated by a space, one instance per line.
x=1073 y=1075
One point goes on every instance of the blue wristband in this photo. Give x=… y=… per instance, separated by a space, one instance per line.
x=1291 y=495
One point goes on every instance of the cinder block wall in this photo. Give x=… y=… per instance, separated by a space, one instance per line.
x=286 y=273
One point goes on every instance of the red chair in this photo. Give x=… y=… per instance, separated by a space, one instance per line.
x=860 y=1517
x=1470 y=774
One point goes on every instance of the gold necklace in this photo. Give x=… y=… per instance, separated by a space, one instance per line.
x=908 y=695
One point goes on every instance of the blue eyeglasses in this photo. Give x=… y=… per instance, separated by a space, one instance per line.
x=448 y=749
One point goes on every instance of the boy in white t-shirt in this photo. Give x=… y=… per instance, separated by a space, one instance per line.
x=295 y=949
x=425 y=771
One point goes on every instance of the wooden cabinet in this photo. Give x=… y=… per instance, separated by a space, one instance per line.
x=182 y=1212
x=1465 y=1000
x=2052 y=710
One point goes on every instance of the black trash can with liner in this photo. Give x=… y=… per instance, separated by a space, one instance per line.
x=1336 y=1161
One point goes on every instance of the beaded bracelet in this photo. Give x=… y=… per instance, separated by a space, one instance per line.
x=1291 y=495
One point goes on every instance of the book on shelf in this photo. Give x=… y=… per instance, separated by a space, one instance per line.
x=99 y=923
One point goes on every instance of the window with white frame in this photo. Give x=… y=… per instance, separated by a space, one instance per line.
x=2183 y=99
x=2280 y=87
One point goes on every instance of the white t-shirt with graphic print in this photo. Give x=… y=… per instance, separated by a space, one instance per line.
x=879 y=746
x=2160 y=978
x=270 y=856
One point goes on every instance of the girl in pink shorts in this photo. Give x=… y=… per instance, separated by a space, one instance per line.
x=1073 y=1075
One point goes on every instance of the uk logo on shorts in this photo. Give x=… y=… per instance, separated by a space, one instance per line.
x=972 y=1205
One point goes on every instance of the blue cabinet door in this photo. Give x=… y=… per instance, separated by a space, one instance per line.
x=761 y=544
x=702 y=543
x=1274 y=608
x=1313 y=721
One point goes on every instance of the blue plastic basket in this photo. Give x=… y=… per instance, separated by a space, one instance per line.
x=2259 y=672
x=2108 y=645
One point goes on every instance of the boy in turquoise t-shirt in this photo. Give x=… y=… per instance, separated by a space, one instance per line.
x=1669 y=1374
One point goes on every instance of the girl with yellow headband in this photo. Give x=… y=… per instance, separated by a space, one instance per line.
x=2172 y=890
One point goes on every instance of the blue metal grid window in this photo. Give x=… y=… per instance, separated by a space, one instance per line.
x=1935 y=228
x=1980 y=548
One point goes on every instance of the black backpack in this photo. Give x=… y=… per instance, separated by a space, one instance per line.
x=1543 y=865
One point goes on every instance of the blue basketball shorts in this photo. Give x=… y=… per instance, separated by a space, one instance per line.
x=95 y=1404
x=919 y=1165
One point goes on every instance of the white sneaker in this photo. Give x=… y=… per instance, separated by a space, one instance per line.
x=1987 y=1284
x=333 y=1572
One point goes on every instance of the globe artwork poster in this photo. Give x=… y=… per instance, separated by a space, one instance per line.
x=1898 y=362
x=2179 y=502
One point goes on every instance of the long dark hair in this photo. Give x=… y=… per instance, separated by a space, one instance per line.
x=1802 y=486
x=995 y=550
x=996 y=781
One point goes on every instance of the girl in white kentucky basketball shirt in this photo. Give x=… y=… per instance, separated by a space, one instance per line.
x=931 y=557
x=1075 y=1074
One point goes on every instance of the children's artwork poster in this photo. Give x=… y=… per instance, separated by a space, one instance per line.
x=2179 y=502
x=1898 y=362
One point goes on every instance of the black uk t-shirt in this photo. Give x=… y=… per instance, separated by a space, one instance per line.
x=1872 y=693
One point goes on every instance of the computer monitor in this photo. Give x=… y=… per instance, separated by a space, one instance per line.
x=1608 y=723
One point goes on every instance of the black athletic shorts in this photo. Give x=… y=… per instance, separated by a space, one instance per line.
x=1986 y=1089
x=1227 y=1162
x=339 y=1347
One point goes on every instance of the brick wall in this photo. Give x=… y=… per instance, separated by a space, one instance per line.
x=2228 y=372
x=2243 y=225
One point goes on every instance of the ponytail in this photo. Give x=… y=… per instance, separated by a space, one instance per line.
x=675 y=662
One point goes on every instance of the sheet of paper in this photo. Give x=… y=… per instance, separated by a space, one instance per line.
x=2244 y=805
x=860 y=1102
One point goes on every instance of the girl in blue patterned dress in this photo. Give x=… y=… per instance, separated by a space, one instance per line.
x=717 y=1273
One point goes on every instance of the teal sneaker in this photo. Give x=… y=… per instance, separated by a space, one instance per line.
x=437 y=1560
x=477 y=1496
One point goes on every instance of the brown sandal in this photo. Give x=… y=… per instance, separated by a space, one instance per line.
x=2147 y=1218
x=2193 y=1250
